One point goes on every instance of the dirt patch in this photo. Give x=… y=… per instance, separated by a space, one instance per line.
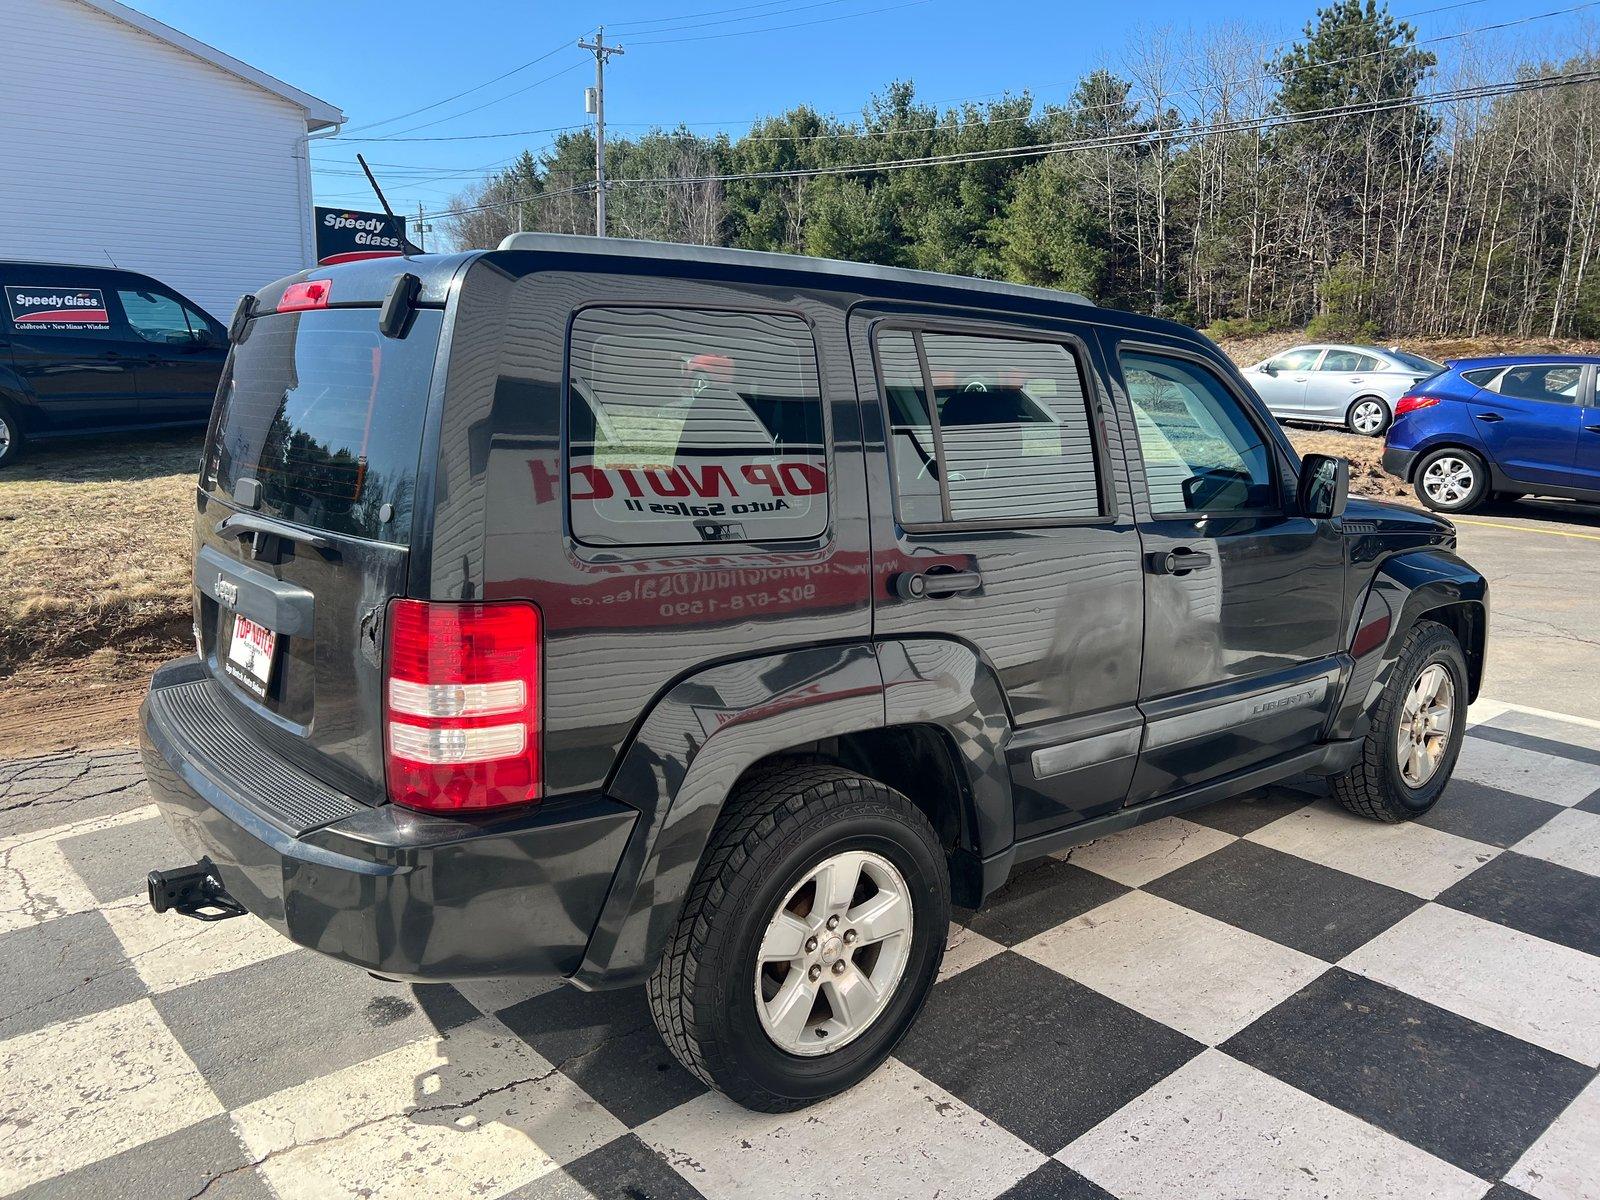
x=1367 y=476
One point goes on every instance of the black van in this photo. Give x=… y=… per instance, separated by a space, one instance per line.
x=99 y=350
x=714 y=620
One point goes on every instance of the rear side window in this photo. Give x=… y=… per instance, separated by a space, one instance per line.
x=1008 y=437
x=327 y=415
x=1482 y=377
x=1348 y=361
x=694 y=425
x=1554 y=383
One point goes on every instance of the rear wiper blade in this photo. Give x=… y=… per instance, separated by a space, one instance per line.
x=260 y=530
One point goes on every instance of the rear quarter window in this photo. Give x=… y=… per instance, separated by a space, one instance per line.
x=694 y=425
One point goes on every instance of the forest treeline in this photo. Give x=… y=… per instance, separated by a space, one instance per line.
x=1347 y=182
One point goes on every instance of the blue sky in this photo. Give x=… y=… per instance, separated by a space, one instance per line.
x=734 y=62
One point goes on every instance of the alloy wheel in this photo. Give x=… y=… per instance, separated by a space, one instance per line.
x=5 y=436
x=1368 y=417
x=1426 y=717
x=1449 y=480
x=833 y=953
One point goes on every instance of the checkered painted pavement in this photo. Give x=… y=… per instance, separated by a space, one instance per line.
x=1268 y=997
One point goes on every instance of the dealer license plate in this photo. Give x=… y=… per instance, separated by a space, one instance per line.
x=250 y=654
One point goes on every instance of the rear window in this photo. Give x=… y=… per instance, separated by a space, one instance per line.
x=1416 y=362
x=327 y=414
x=692 y=425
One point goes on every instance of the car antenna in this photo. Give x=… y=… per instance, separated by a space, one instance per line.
x=109 y=259
x=383 y=200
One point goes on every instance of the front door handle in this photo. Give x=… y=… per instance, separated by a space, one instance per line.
x=1593 y=428
x=912 y=585
x=1178 y=561
x=1490 y=417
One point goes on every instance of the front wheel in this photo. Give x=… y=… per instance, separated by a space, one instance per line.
x=10 y=436
x=1416 y=732
x=811 y=936
x=1368 y=417
x=1451 y=480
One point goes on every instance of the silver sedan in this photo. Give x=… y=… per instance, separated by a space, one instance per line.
x=1353 y=386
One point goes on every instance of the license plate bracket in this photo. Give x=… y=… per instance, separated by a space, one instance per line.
x=252 y=650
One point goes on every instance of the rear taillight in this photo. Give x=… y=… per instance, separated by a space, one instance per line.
x=1412 y=403
x=461 y=703
x=298 y=297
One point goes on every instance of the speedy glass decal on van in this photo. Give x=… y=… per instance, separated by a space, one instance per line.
x=694 y=426
x=57 y=309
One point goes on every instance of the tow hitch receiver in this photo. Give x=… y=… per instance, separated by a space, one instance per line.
x=193 y=891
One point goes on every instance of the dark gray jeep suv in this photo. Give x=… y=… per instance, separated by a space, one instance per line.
x=715 y=620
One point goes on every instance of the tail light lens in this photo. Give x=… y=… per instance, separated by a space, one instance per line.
x=298 y=297
x=1410 y=403
x=461 y=705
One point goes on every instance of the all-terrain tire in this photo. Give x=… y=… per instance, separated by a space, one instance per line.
x=1374 y=786
x=10 y=435
x=778 y=825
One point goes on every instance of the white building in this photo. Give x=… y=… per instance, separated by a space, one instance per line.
x=122 y=139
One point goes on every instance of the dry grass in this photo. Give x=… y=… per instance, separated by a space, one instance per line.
x=1250 y=350
x=95 y=548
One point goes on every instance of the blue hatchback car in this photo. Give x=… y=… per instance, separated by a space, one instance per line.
x=1503 y=427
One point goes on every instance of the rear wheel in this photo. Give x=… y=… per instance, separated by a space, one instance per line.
x=1451 y=480
x=1416 y=731
x=1368 y=416
x=10 y=436
x=811 y=936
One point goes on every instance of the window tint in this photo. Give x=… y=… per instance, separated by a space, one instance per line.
x=1348 y=361
x=1295 y=360
x=1555 y=384
x=327 y=414
x=1201 y=452
x=1014 y=438
x=1415 y=362
x=694 y=426
x=159 y=318
x=1482 y=377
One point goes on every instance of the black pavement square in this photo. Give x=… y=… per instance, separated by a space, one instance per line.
x=1537 y=897
x=205 y=1157
x=1054 y=1181
x=623 y=1169
x=1246 y=814
x=113 y=862
x=1568 y=733
x=1037 y=1053
x=298 y=1016
x=1039 y=898
x=606 y=1043
x=61 y=969
x=1486 y=814
x=1295 y=902
x=1469 y=1094
x=1590 y=803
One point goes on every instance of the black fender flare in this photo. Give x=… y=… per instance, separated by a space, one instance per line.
x=1405 y=588
x=708 y=729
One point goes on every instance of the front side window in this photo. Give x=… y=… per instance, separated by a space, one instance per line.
x=1201 y=451
x=690 y=425
x=1555 y=383
x=158 y=318
x=1008 y=437
x=1295 y=360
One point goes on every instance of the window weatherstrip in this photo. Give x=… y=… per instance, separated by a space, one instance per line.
x=933 y=421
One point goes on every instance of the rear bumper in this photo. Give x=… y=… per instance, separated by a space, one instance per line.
x=1398 y=462
x=401 y=893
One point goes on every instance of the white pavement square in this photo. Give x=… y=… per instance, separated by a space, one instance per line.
x=1563 y=781
x=1136 y=856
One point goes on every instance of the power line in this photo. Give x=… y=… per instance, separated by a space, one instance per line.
x=715 y=12
x=707 y=37
x=477 y=108
x=478 y=88
x=734 y=20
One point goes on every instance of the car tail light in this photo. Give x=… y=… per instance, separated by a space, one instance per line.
x=298 y=297
x=1409 y=403
x=461 y=702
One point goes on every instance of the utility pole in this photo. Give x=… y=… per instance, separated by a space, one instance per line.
x=422 y=230
x=598 y=107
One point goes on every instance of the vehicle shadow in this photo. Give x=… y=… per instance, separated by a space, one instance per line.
x=124 y=457
x=1569 y=512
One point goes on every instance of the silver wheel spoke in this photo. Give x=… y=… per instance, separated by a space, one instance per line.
x=851 y=996
x=785 y=938
x=1424 y=725
x=881 y=917
x=791 y=1008
x=836 y=883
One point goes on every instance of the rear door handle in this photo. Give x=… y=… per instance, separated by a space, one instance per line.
x=1178 y=561
x=1593 y=428
x=1490 y=417
x=911 y=585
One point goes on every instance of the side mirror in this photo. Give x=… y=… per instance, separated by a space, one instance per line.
x=1324 y=486
x=1268 y=369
